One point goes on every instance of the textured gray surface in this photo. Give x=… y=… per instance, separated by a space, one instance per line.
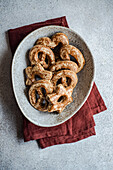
x=93 y=20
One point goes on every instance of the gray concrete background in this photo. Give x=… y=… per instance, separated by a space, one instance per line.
x=93 y=20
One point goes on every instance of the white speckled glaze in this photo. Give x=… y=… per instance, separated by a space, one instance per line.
x=80 y=93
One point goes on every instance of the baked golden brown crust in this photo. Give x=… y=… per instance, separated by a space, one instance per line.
x=69 y=65
x=37 y=70
x=54 y=41
x=54 y=91
x=46 y=51
x=38 y=88
x=59 y=99
x=67 y=78
x=75 y=52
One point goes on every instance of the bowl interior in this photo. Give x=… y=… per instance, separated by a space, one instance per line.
x=80 y=93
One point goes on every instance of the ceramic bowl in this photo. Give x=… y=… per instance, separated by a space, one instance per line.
x=80 y=93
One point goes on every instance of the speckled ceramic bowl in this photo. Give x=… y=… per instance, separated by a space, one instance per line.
x=80 y=93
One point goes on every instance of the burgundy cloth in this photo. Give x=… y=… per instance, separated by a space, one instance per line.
x=81 y=125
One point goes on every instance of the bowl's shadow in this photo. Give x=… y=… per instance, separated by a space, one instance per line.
x=10 y=107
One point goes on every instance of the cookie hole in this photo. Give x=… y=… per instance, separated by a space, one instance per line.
x=59 y=81
x=36 y=95
x=46 y=60
x=62 y=69
x=73 y=59
x=61 y=99
x=56 y=51
x=39 y=55
x=68 y=81
x=37 y=78
x=44 y=103
x=57 y=57
x=57 y=48
x=43 y=91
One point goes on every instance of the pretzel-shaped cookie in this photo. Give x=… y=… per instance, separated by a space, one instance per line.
x=69 y=49
x=67 y=78
x=46 y=52
x=54 y=41
x=37 y=70
x=38 y=89
x=60 y=99
x=69 y=65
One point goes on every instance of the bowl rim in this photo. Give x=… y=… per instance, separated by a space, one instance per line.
x=12 y=77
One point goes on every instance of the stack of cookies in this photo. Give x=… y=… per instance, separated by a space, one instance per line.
x=50 y=60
